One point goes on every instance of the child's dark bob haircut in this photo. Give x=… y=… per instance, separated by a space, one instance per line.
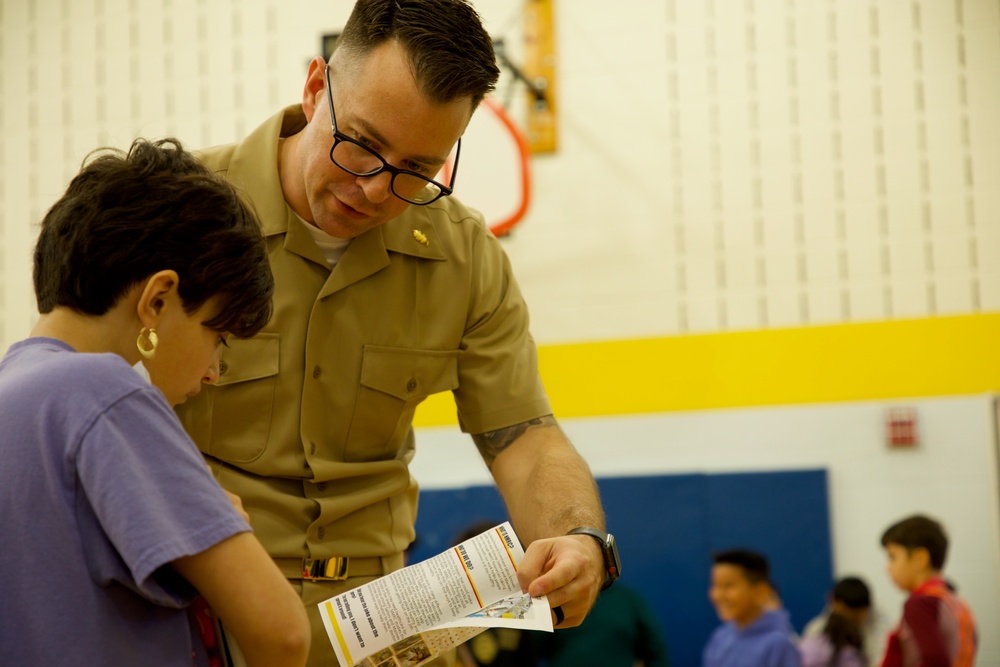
x=126 y=216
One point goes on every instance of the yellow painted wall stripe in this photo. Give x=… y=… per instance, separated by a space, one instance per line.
x=937 y=356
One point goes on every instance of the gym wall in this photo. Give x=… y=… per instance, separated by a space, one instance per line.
x=767 y=221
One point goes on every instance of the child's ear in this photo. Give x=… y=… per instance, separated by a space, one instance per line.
x=761 y=592
x=155 y=292
x=921 y=557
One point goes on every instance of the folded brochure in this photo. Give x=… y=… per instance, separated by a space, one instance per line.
x=408 y=617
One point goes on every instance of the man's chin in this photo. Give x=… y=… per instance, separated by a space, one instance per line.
x=342 y=229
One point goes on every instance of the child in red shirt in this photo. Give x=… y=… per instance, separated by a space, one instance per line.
x=937 y=628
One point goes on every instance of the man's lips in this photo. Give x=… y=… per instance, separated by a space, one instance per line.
x=349 y=210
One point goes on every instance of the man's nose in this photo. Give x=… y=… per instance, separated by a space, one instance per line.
x=377 y=188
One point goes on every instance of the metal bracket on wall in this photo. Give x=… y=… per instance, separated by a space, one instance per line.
x=540 y=70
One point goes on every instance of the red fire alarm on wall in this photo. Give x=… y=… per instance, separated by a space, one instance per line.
x=901 y=427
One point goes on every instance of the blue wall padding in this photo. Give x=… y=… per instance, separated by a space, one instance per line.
x=668 y=526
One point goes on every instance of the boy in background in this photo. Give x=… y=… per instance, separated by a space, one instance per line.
x=937 y=627
x=751 y=635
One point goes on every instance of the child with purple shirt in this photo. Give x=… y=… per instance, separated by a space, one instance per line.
x=752 y=635
x=839 y=644
x=112 y=523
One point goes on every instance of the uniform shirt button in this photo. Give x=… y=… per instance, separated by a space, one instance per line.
x=312 y=447
x=316 y=371
x=321 y=486
x=321 y=532
x=223 y=367
x=411 y=385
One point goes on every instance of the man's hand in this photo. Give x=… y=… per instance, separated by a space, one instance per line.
x=549 y=490
x=569 y=570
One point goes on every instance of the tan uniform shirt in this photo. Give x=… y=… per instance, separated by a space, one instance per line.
x=311 y=421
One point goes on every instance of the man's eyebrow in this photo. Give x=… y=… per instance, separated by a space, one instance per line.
x=430 y=161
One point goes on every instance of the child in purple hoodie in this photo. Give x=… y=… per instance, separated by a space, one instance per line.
x=751 y=635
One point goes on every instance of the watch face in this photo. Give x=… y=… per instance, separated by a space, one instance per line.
x=609 y=549
x=614 y=563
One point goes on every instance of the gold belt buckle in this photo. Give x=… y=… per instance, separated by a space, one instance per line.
x=325 y=569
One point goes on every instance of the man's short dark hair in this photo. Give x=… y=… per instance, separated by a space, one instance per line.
x=919 y=532
x=451 y=54
x=852 y=592
x=126 y=216
x=754 y=565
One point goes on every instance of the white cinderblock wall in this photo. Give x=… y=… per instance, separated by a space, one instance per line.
x=724 y=165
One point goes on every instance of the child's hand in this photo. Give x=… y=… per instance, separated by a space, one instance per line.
x=238 y=504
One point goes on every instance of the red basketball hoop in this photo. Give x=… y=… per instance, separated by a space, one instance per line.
x=502 y=225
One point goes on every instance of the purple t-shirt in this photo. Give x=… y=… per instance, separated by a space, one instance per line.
x=817 y=651
x=100 y=489
x=766 y=642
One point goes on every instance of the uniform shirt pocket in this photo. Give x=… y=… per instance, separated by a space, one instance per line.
x=394 y=381
x=248 y=374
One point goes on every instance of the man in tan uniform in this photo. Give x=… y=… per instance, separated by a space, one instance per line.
x=388 y=291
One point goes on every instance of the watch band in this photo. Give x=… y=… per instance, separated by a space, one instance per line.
x=609 y=550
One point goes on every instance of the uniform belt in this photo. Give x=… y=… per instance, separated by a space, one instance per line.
x=339 y=568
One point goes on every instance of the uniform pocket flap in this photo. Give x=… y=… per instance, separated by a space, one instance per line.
x=249 y=359
x=407 y=373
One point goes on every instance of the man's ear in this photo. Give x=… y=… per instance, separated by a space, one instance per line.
x=158 y=290
x=315 y=88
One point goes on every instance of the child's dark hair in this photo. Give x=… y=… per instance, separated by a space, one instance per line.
x=853 y=593
x=842 y=632
x=753 y=564
x=126 y=216
x=919 y=532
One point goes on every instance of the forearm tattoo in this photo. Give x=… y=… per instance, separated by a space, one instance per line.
x=491 y=443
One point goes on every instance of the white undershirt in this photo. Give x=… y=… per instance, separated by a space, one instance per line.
x=140 y=368
x=332 y=248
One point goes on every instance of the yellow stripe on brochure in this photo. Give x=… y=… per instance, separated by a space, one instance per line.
x=509 y=554
x=468 y=576
x=336 y=630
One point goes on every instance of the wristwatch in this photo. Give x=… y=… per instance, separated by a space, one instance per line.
x=612 y=564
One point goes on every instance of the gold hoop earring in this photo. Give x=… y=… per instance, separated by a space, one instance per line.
x=147 y=344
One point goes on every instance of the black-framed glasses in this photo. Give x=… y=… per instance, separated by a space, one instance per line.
x=356 y=158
